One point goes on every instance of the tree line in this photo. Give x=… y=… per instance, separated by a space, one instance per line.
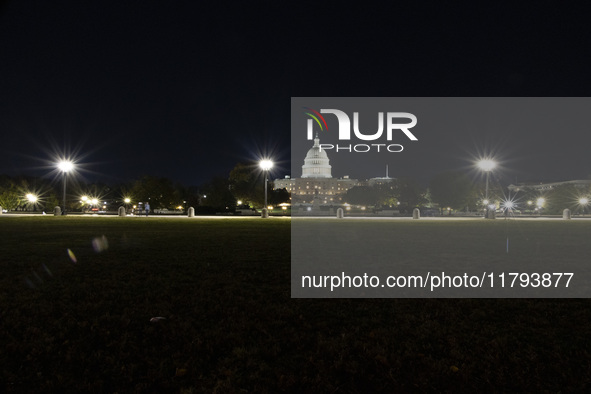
x=451 y=191
x=244 y=186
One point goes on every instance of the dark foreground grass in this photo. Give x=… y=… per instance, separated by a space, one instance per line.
x=223 y=287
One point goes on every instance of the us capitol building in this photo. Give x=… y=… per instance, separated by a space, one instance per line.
x=316 y=182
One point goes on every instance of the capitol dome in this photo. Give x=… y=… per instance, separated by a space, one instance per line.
x=316 y=162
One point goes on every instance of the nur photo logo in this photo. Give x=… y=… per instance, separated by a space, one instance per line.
x=391 y=125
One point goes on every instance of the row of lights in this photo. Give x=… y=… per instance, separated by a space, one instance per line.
x=66 y=166
x=487 y=165
x=583 y=201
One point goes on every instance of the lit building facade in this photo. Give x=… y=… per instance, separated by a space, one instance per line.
x=581 y=184
x=316 y=181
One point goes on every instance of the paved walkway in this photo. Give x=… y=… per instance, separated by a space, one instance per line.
x=253 y=217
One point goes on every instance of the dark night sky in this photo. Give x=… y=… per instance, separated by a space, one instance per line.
x=188 y=90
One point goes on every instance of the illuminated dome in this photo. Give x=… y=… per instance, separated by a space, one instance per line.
x=316 y=162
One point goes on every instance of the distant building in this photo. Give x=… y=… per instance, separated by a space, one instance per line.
x=316 y=180
x=584 y=183
x=380 y=181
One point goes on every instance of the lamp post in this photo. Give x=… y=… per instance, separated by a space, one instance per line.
x=508 y=206
x=65 y=166
x=583 y=201
x=540 y=204
x=84 y=201
x=486 y=165
x=32 y=199
x=265 y=165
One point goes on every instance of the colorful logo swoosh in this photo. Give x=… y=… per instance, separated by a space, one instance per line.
x=315 y=116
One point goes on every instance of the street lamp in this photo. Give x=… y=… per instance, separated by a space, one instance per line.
x=508 y=206
x=65 y=166
x=32 y=200
x=126 y=200
x=583 y=201
x=266 y=165
x=84 y=202
x=487 y=165
x=540 y=204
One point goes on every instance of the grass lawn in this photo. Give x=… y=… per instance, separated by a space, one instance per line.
x=224 y=288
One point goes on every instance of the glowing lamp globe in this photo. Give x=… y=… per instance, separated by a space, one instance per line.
x=65 y=166
x=487 y=165
x=266 y=165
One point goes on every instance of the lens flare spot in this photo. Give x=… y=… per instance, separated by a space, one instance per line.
x=29 y=283
x=37 y=277
x=100 y=244
x=72 y=256
x=157 y=319
x=47 y=270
